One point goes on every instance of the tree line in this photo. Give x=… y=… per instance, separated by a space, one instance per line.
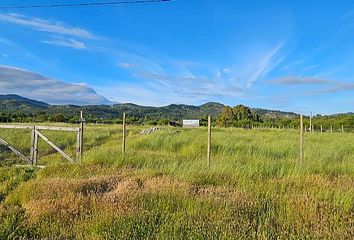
x=237 y=116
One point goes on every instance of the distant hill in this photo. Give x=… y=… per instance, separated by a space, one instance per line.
x=13 y=103
x=270 y=114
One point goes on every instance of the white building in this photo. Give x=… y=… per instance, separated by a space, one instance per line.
x=189 y=123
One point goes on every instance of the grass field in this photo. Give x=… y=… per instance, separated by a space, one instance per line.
x=256 y=188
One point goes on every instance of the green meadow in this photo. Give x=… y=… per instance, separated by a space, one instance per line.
x=255 y=188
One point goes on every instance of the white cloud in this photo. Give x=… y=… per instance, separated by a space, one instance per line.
x=46 y=26
x=33 y=85
x=72 y=43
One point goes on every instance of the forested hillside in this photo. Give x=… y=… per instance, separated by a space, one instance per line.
x=14 y=108
x=23 y=109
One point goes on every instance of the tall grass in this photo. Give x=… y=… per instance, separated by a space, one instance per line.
x=256 y=187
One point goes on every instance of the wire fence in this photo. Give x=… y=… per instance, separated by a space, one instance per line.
x=20 y=139
x=67 y=141
x=96 y=136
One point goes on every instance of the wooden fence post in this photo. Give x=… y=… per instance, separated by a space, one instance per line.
x=33 y=135
x=78 y=145
x=81 y=136
x=209 y=142
x=321 y=129
x=342 y=129
x=35 y=148
x=124 y=136
x=301 y=138
x=311 y=122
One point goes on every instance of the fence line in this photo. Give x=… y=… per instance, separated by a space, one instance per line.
x=36 y=134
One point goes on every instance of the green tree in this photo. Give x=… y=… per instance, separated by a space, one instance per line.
x=163 y=121
x=58 y=118
x=237 y=116
x=226 y=118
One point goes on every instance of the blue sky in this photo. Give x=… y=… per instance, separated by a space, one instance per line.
x=287 y=55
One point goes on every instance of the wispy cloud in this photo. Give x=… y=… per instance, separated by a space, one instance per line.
x=265 y=65
x=311 y=67
x=29 y=84
x=126 y=65
x=167 y=80
x=314 y=85
x=196 y=81
x=335 y=88
x=293 y=64
x=190 y=87
x=46 y=26
x=72 y=43
x=172 y=80
x=299 y=81
x=133 y=93
x=6 y=41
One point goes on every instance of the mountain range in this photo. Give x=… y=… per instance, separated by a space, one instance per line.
x=12 y=103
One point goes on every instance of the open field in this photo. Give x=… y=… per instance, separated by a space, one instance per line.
x=256 y=188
